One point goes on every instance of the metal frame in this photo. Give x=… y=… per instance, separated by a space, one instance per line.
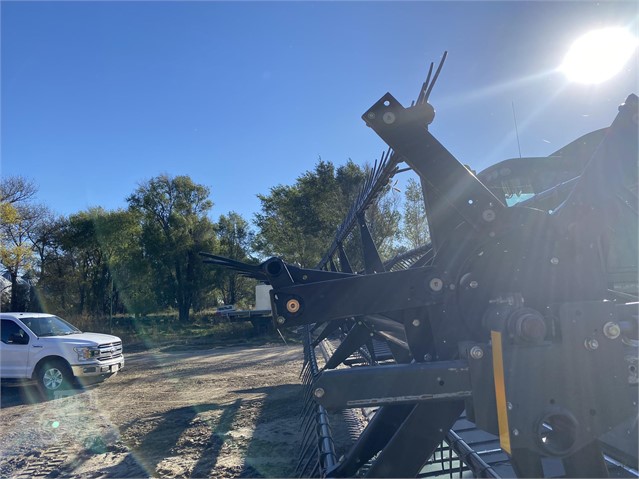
x=465 y=319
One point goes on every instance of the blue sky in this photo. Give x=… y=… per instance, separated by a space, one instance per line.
x=98 y=97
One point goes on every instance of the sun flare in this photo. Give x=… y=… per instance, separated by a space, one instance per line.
x=599 y=55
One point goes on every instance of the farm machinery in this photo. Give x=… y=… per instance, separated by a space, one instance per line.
x=516 y=322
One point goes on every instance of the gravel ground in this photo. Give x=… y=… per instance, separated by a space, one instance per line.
x=226 y=412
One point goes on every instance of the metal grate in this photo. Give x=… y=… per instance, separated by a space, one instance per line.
x=110 y=351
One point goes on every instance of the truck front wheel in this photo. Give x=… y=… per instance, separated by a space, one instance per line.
x=54 y=376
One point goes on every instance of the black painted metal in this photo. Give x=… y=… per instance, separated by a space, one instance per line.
x=377 y=434
x=522 y=273
x=416 y=439
x=574 y=405
x=358 y=335
x=465 y=198
x=326 y=330
x=317 y=452
x=587 y=462
x=372 y=261
x=468 y=456
x=396 y=384
x=356 y=295
x=343 y=259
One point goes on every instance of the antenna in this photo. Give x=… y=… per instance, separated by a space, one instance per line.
x=516 y=129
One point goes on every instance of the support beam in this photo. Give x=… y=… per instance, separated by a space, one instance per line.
x=413 y=383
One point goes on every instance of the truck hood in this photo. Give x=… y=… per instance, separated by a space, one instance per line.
x=83 y=339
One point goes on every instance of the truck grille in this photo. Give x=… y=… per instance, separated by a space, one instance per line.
x=110 y=351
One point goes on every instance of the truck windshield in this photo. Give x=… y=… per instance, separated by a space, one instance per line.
x=49 y=326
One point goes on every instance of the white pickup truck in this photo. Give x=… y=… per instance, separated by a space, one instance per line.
x=55 y=353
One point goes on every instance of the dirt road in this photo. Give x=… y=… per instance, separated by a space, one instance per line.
x=228 y=412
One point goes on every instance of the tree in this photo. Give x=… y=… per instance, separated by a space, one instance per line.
x=16 y=254
x=175 y=229
x=19 y=219
x=103 y=250
x=93 y=263
x=298 y=222
x=415 y=224
x=16 y=189
x=91 y=274
x=57 y=281
x=133 y=284
x=44 y=242
x=383 y=219
x=235 y=240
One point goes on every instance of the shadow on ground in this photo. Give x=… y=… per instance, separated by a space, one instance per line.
x=274 y=446
x=21 y=393
x=166 y=439
x=202 y=440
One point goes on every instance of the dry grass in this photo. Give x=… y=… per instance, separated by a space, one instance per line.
x=158 y=329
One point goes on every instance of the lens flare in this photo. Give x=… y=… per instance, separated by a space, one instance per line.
x=599 y=55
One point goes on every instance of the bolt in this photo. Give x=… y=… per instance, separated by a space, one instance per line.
x=428 y=357
x=371 y=115
x=554 y=260
x=476 y=352
x=488 y=215
x=305 y=277
x=319 y=392
x=416 y=322
x=509 y=405
x=389 y=117
x=293 y=305
x=436 y=284
x=474 y=284
x=281 y=320
x=611 y=330
x=451 y=287
x=515 y=432
x=591 y=344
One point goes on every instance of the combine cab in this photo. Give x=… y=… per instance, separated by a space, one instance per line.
x=507 y=346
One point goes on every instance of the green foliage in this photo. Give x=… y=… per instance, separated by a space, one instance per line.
x=383 y=218
x=235 y=240
x=415 y=225
x=298 y=222
x=97 y=264
x=86 y=261
x=175 y=229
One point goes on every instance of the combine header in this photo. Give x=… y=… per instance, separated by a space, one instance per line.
x=516 y=325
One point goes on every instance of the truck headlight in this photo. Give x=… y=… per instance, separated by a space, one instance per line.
x=86 y=353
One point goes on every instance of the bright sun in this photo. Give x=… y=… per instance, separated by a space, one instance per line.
x=598 y=55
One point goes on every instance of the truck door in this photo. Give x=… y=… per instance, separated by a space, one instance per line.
x=14 y=350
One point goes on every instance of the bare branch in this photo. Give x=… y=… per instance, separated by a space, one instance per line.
x=15 y=189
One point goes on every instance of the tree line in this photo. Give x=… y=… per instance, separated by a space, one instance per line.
x=145 y=258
